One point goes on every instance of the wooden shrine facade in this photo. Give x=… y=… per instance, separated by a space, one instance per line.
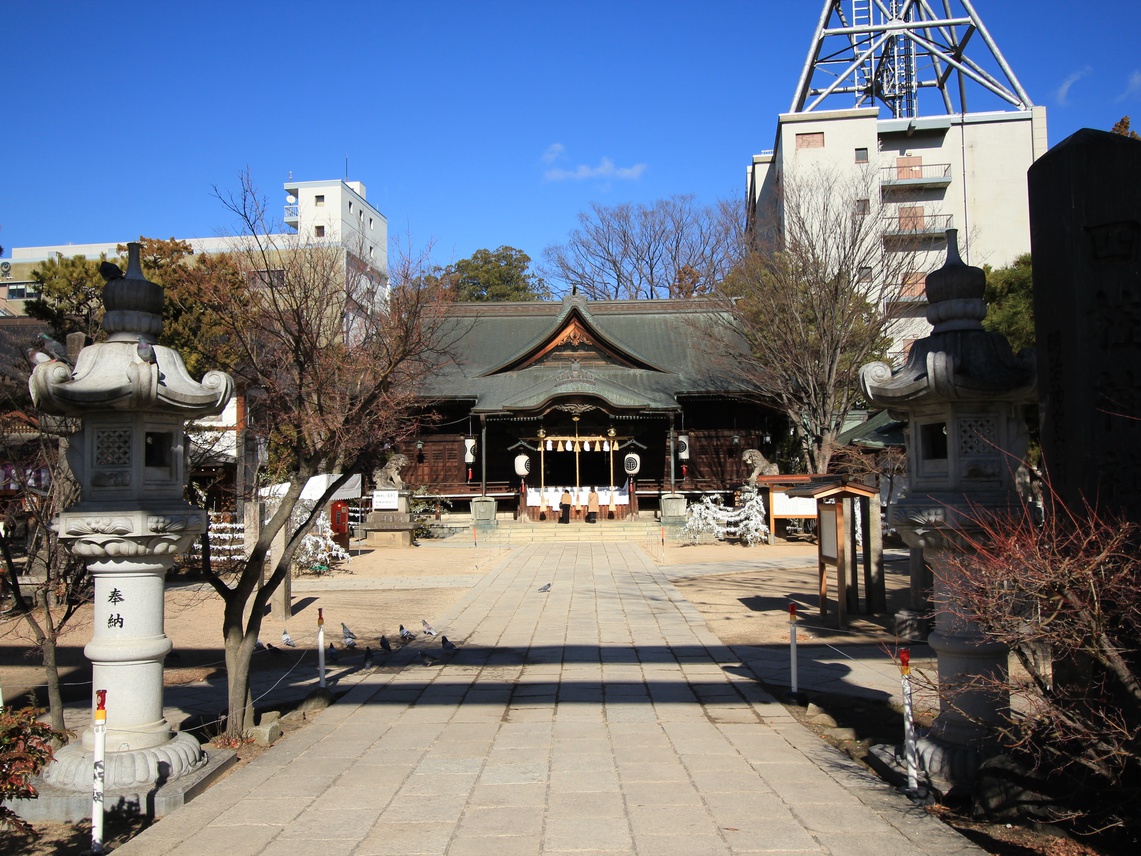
x=636 y=399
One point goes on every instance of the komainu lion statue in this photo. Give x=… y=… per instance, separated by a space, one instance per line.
x=761 y=465
x=388 y=476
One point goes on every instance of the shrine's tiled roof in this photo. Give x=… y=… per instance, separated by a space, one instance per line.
x=631 y=355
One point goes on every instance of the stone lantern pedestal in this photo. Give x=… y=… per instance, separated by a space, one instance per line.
x=964 y=396
x=134 y=398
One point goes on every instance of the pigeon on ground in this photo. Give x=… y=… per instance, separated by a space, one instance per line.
x=385 y=644
x=428 y=631
x=406 y=634
x=545 y=588
x=331 y=654
x=286 y=639
x=258 y=646
x=368 y=661
x=425 y=660
x=350 y=638
x=448 y=644
x=273 y=649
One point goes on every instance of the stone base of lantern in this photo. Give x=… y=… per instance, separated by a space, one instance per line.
x=58 y=804
x=945 y=769
x=72 y=767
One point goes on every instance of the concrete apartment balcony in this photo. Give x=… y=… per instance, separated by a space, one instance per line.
x=916 y=224
x=914 y=175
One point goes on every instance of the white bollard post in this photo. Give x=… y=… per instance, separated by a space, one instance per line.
x=321 y=646
x=910 y=750
x=795 y=689
x=99 y=732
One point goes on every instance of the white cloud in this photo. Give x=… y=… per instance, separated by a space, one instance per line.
x=553 y=153
x=1133 y=88
x=1063 y=91
x=606 y=169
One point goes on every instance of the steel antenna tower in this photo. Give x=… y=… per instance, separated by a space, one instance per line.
x=887 y=51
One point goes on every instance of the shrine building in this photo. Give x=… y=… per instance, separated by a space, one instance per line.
x=637 y=399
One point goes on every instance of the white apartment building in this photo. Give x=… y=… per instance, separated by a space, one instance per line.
x=338 y=212
x=334 y=211
x=929 y=164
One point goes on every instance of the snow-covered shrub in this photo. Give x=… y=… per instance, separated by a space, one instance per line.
x=709 y=518
x=318 y=551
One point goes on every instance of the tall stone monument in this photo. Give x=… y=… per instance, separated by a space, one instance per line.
x=134 y=398
x=1085 y=231
x=965 y=397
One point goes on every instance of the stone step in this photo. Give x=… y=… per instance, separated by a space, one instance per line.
x=516 y=533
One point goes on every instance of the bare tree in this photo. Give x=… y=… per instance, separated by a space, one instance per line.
x=329 y=354
x=39 y=485
x=1063 y=597
x=814 y=297
x=673 y=248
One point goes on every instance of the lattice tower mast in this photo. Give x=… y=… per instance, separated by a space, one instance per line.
x=887 y=51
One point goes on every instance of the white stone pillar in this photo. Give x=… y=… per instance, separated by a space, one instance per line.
x=973 y=697
x=127 y=650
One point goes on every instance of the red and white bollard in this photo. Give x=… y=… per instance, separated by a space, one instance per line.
x=321 y=645
x=795 y=690
x=99 y=731
x=910 y=750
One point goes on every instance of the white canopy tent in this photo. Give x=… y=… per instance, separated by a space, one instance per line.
x=317 y=486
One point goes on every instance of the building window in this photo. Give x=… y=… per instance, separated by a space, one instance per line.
x=810 y=141
x=862 y=207
x=370 y=222
x=371 y=252
x=272 y=278
x=319 y=200
x=350 y=206
x=319 y=231
x=864 y=273
x=861 y=155
x=24 y=291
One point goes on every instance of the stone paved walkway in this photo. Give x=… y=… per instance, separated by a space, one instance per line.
x=599 y=717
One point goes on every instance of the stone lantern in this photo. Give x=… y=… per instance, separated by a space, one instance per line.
x=964 y=396
x=134 y=398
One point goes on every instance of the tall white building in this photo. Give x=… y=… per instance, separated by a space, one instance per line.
x=884 y=95
x=338 y=211
x=334 y=211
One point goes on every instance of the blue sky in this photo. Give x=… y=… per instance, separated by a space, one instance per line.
x=472 y=124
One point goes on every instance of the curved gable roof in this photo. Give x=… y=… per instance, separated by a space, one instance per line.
x=575 y=324
x=641 y=354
